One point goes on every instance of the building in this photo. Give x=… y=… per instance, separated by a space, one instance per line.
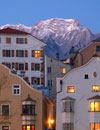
x=23 y=53
x=21 y=106
x=78 y=98
x=54 y=68
x=82 y=56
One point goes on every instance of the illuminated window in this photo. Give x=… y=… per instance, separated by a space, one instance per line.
x=5 y=127
x=63 y=70
x=37 y=53
x=95 y=126
x=28 y=127
x=94 y=106
x=70 y=89
x=95 y=88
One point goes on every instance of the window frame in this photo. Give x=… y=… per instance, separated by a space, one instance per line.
x=94 y=125
x=94 y=106
x=26 y=127
x=31 y=111
x=6 y=126
x=95 y=88
x=70 y=86
x=2 y=109
x=37 y=53
x=63 y=70
x=13 y=89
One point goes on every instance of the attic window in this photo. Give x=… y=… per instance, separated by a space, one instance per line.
x=86 y=76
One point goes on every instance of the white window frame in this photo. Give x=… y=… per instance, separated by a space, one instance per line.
x=19 y=89
x=9 y=108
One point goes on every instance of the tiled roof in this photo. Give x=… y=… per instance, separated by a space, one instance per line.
x=12 y=31
x=94 y=97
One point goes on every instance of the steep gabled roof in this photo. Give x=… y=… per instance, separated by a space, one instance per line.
x=12 y=31
x=29 y=99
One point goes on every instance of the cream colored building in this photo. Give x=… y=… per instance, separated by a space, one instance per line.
x=78 y=98
x=21 y=107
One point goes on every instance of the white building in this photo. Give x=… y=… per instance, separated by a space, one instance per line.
x=24 y=53
x=78 y=98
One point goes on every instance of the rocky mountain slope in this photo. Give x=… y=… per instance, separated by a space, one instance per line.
x=59 y=34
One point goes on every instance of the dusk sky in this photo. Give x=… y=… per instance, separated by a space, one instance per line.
x=28 y=12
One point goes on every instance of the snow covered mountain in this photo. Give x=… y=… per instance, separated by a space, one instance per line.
x=59 y=34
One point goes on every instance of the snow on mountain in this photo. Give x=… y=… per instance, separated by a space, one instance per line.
x=59 y=34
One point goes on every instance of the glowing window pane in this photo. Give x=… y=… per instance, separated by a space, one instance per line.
x=97 y=106
x=92 y=126
x=37 y=53
x=28 y=127
x=32 y=127
x=23 y=127
x=97 y=126
x=63 y=70
x=92 y=106
x=70 y=89
x=95 y=88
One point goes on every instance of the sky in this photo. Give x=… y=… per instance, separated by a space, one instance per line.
x=28 y=12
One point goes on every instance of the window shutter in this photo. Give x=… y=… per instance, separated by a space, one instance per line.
x=63 y=107
x=26 y=66
x=65 y=126
x=32 y=66
x=42 y=53
x=26 y=53
x=32 y=80
x=16 y=53
x=42 y=81
x=67 y=106
x=17 y=40
x=12 y=53
x=33 y=53
x=71 y=126
x=16 y=66
x=71 y=106
x=25 y=40
x=42 y=67
x=13 y=65
x=4 y=53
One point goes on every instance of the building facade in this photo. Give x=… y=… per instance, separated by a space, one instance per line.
x=21 y=106
x=84 y=55
x=24 y=54
x=54 y=68
x=78 y=98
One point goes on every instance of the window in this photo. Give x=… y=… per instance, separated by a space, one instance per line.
x=8 y=40
x=97 y=48
x=86 y=76
x=95 y=106
x=5 y=110
x=68 y=106
x=16 y=90
x=5 y=127
x=37 y=53
x=37 y=66
x=8 y=65
x=21 y=40
x=28 y=127
x=35 y=81
x=50 y=83
x=49 y=70
x=21 y=66
x=95 y=126
x=68 y=126
x=28 y=109
x=21 y=53
x=95 y=88
x=8 y=53
x=70 y=89
x=63 y=70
